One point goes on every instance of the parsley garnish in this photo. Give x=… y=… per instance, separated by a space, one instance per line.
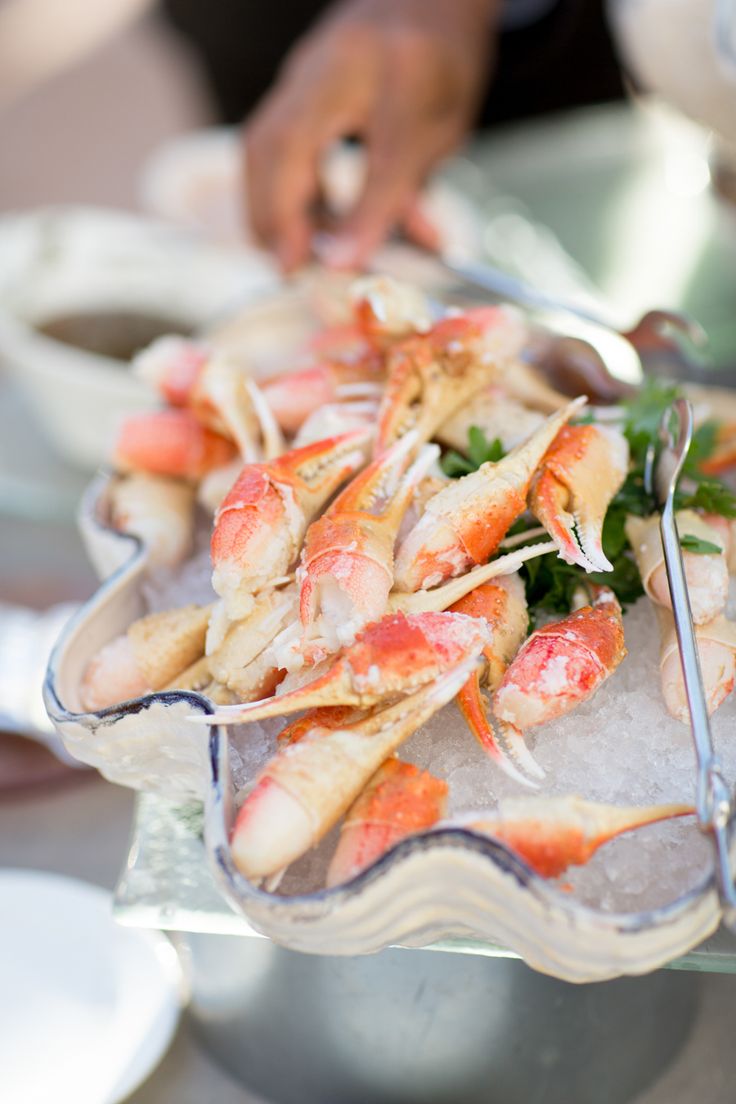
x=692 y=543
x=480 y=451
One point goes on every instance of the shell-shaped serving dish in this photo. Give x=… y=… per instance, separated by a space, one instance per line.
x=446 y=884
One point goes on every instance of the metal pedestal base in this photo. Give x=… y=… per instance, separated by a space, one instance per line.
x=421 y=1027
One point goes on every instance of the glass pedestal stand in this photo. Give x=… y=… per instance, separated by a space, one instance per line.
x=405 y=1025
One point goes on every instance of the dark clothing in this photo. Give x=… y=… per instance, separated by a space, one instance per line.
x=563 y=60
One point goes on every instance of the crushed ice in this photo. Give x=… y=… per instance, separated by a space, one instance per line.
x=621 y=747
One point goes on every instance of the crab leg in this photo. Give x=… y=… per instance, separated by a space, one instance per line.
x=346 y=569
x=442 y=597
x=217 y=391
x=295 y=396
x=716 y=642
x=581 y=472
x=502 y=605
x=260 y=525
x=158 y=510
x=386 y=309
x=241 y=660
x=400 y=800
x=309 y=784
x=431 y=375
x=464 y=524
x=559 y=666
x=552 y=833
x=171 y=443
x=172 y=365
x=334 y=418
x=148 y=657
x=395 y=655
x=706 y=573
x=723 y=456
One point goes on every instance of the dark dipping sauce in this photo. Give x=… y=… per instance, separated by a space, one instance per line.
x=116 y=334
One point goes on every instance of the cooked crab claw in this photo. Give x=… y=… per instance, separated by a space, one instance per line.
x=465 y=523
x=398 y=801
x=502 y=605
x=430 y=375
x=387 y=308
x=158 y=510
x=309 y=784
x=260 y=525
x=716 y=641
x=395 y=655
x=334 y=418
x=148 y=657
x=496 y=414
x=723 y=455
x=346 y=569
x=581 y=472
x=706 y=572
x=172 y=443
x=171 y=365
x=552 y=833
x=560 y=666
x=295 y=396
x=238 y=656
x=217 y=391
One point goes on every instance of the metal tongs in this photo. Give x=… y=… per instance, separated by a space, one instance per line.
x=714 y=802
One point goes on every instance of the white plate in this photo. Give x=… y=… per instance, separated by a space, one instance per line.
x=87 y=1007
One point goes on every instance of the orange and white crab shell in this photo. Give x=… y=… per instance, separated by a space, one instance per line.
x=260 y=525
x=580 y=474
x=464 y=524
x=562 y=664
x=716 y=641
x=706 y=573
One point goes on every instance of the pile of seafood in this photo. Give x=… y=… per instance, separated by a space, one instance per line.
x=389 y=521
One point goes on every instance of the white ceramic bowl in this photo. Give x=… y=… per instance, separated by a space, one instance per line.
x=65 y=260
x=444 y=884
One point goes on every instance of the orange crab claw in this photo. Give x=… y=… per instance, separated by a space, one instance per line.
x=170 y=442
x=432 y=375
x=346 y=570
x=295 y=395
x=308 y=785
x=551 y=834
x=399 y=801
x=723 y=456
x=502 y=605
x=326 y=716
x=215 y=389
x=260 y=525
x=386 y=309
x=172 y=365
x=581 y=472
x=465 y=523
x=560 y=666
x=395 y=655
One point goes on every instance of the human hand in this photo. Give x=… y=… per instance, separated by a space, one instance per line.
x=405 y=76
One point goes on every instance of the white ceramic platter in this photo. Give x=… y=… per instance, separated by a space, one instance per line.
x=78 y=259
x=87 y=1007
x=445 y=884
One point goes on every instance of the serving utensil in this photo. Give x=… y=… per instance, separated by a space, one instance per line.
x=658 y=329
x=714 y=801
